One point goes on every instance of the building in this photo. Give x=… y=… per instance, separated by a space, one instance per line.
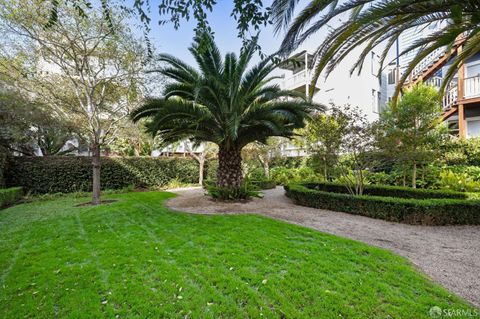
x=461 y=101
x=364 y=90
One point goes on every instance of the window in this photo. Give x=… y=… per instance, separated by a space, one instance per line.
x=473 y=127
x=392 y=76
x=375 y=64
x=379 y=102
x=376 y=101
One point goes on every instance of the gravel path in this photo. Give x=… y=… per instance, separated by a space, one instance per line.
x=450 y=255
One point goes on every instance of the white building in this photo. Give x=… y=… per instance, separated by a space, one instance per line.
x=364 y=90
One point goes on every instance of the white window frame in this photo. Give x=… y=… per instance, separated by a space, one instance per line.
x=470 y=119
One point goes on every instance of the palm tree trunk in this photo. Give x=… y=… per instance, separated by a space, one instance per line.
x=96 y=173
x=229 y=174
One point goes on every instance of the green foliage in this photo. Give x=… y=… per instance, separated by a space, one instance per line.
x=257 y=178
x=458 y=151
x=224 y=102
x=462 y=182
x=3 y=166
x=9 y=196
x=323 y=137
x=410 y=133
x=245 y=191
x=379 y=178
x=201 y=105
x=283 y=175
x=40 y=175
x=126 y=258
x=405 y=210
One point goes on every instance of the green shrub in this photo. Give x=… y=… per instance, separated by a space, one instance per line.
x=246 y=191
x=379 y=178
x=283 y=175
x=10 y=196
x=41 y=175
x=410 y=211
x=389 y=191
x=3 y=166
x=462 y=182
x=461 y=152
x=263 y=183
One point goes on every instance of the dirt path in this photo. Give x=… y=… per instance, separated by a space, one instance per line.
x=450 y=255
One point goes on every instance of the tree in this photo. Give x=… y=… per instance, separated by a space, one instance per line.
x=264 y=153
x=86 y=70
x=201 y=154
x=410 y=133
x=323 y=137
x=380 y=23
x=356 y=146
x=223 y=103
x=131 y=140
x=31 y=129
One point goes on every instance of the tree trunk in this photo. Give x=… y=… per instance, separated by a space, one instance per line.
x=414 y=175
x=96 y=173
x=266 y=169
x=201 y=165
x=229 y=174
x=325 y=170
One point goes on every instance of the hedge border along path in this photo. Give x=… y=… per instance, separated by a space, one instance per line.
x=410 y=211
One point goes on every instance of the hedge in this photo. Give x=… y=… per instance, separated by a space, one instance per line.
x=65 y=174
x=9 y=196
x=3 y=164
x=406 y=210
x=389 y=191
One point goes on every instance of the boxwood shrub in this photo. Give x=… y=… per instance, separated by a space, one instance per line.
x=9 y=196
x=389 y=191
x=432 y=211
x=65 y=174
x=3 y=164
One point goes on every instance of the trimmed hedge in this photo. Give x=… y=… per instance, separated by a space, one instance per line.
x=406 y=210
x=3 y=164
x=10 y=196
x=389 y=191
x=65 y=174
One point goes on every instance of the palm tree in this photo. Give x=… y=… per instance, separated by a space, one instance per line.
x=222 y=102
x=373 y=23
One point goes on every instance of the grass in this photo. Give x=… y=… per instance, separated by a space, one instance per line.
x=136 y=259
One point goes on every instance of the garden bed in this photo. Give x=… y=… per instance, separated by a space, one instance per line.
x=395 y=204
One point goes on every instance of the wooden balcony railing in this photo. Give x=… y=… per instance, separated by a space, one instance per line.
x=472 y=86
x=450 y=98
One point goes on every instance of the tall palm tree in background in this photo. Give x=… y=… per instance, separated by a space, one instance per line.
x=380 y=22
x=223 y=102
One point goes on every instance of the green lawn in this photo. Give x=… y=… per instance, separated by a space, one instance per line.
x=136 y=259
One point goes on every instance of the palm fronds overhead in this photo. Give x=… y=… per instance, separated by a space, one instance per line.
x=378 y=24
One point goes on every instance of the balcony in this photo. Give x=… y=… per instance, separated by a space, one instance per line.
x=472 y=91
x=296 y=81
x=472 y=87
